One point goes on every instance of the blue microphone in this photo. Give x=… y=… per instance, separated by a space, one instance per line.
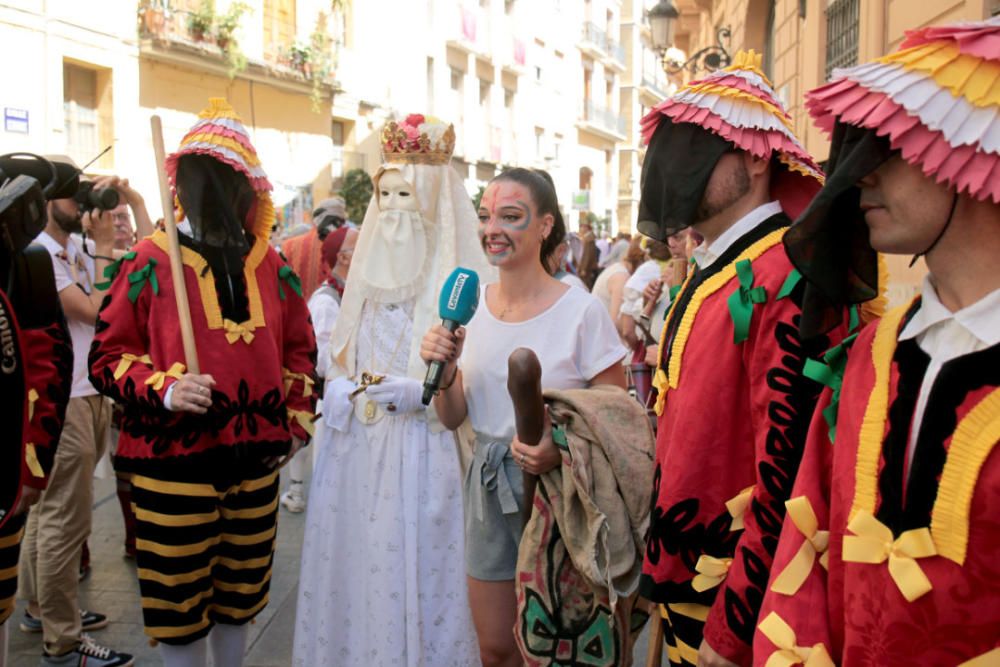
x=458 y=303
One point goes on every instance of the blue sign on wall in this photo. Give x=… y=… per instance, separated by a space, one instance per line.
x=15 y=120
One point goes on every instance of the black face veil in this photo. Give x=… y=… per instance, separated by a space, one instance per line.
x=679 y=161
x=829 y=243
x=216 y=200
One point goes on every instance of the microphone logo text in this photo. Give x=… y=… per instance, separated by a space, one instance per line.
x=456 y=290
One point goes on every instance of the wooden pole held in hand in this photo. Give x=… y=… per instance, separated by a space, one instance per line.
x=524 y=384
x=174 y=250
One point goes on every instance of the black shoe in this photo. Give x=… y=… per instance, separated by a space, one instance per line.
x=89 y=620
x=88 y=654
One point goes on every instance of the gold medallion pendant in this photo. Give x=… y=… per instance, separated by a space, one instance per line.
x=370 y=408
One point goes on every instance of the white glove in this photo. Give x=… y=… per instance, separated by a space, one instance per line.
x=397 y=395
x=337 y=407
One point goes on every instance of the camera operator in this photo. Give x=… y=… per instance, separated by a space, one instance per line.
x=60 y=523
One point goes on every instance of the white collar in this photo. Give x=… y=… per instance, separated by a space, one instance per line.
x=981 y=319
x=705 y=256
x=69 y=251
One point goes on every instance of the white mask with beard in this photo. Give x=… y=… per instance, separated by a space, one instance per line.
x=394 y=266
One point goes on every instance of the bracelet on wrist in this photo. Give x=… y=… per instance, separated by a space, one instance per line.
x=454 y=376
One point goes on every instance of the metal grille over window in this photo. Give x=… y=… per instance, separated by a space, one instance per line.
x=841 y=34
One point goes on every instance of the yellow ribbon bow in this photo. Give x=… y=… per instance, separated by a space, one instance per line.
x=711 y=572
x=800 y=511
x=304 y=419
x=290 y=378
x=159 y=377
x=32 y=399
x=789 y=653
x=236 y=331
x=127 y=361
x=660 y=384
x=31 y=460
x=872 y=543
x=738 y=506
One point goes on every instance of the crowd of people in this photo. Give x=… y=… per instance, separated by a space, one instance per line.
x=737 y=446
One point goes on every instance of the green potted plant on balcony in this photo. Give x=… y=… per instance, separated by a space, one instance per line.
x=225 y=29
x=321 y=59
x=200 y=21
x=298 y=58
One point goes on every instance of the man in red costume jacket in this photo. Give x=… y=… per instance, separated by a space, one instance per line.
x=203 y=449
x=888 y=555
x=733 y=403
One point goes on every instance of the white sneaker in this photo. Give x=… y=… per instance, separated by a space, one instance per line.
x=294 y=499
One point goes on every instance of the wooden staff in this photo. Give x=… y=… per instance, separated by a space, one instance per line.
x=524 y=384
x=174 y=250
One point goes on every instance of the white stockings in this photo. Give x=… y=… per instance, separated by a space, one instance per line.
x=228 y=645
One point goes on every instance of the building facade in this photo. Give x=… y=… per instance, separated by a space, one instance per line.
x=86 y=80
x=553 y=84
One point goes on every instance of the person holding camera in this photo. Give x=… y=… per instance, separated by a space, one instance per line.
x=59 y=524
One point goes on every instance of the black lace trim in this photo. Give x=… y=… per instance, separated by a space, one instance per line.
x=956 y=380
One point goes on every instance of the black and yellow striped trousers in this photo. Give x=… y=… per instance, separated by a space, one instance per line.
x=10 y=549
x=203 y=552
x=683 y=625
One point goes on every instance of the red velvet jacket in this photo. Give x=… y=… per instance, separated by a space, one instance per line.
x=264 y=367
x=734 y=412
x=47 y=357
x=851 y=508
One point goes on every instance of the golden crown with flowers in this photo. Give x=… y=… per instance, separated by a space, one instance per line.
x=418 y=139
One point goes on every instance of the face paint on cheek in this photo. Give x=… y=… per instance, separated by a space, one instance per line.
x=523 y=224
x=496 y=255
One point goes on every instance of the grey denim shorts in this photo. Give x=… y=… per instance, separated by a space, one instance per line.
x=494 y=495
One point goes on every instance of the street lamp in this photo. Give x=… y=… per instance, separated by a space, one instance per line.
x=662 y=23
x=662 y=19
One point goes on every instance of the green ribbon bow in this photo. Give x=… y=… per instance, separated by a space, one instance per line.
x=112 y=269
x=142 y=277
x=854 y=319
x=741 y=302
x=830 y=372
x=285 y=273
x=791 y=282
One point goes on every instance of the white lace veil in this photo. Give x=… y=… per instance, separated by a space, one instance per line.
x=452 y=240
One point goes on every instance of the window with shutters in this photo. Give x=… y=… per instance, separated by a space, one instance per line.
x=841 y=34
x=87 y=113
x=279 y=24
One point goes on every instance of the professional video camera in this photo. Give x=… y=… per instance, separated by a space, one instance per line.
x=90 y=198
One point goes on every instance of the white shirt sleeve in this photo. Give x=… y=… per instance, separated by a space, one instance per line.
x=573 y=281
x=598 y=346
x=324 y=310
x=62 y=274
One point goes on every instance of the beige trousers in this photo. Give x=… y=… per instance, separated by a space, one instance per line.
x=60 y=523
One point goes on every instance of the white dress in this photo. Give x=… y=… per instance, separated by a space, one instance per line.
x=383 y=575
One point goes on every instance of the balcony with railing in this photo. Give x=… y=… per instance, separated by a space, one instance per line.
x=470 y=29
x=599 y=44
x=654 y=81
x=173 y=33
x=603 y=121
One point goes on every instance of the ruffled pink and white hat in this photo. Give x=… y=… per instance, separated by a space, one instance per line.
x=739 y=105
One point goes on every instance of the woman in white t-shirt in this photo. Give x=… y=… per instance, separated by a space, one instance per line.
x=577 y=345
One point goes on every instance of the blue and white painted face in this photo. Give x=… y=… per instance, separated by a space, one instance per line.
x=510 y=228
